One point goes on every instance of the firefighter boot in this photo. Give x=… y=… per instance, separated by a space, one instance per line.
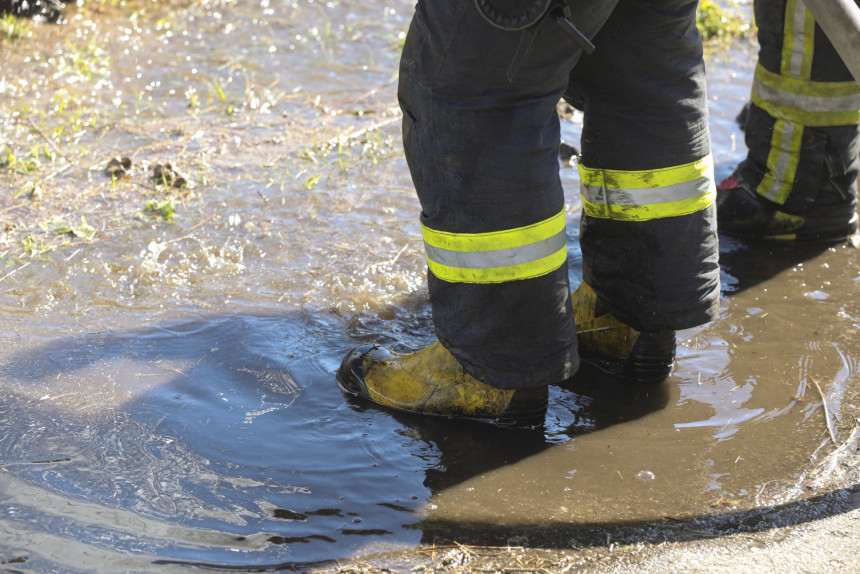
x=432 y=382
x=615 y=347
x=743 y=213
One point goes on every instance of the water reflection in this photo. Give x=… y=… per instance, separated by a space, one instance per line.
x=229 y=435
x=233 y=426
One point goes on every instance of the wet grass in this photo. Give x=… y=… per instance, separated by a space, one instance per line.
x=71 y=99
x=50 y=145
x=56 y=122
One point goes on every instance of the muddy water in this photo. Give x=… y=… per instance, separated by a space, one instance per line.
x=168 y=395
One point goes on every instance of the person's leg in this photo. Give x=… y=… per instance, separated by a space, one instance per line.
x=799 y=180
x=483 y=153
x=648 y=233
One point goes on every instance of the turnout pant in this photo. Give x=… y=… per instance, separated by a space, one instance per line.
x=802 y=128
x=481 y=135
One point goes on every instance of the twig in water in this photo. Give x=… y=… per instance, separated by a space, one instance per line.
x=344 y=138
x=399 y=253
x=827 y=420
x=15 y=270
x=46 y=461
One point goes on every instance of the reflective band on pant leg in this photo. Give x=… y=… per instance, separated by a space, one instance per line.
x=498 y=256
x=805 y=102
x=799 y=39
x=782 y=161
x=647 y=194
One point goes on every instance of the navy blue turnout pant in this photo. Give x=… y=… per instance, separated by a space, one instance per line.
x=481 y=135
x=803 y=127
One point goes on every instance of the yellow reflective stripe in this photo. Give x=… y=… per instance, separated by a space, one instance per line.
x=788 y=37
x=497 y=256
x=802 y=117
x=836 y=91
x=499 y=274
x=782 y=161
x=647 y=194
x=648 y=212
x=798 y=41
x=808 y=44
x=495 y=239
x=663 y=177
x=804 y=102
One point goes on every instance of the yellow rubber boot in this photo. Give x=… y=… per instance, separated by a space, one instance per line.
x=432 y=382
x=613 y=346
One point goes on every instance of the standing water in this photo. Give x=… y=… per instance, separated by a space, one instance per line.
x=168 y=352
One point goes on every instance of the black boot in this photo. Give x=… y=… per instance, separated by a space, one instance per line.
x=613 y=346
x=743 y=213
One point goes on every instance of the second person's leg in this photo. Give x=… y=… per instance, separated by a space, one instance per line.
x=799 y=180
x=649 y=237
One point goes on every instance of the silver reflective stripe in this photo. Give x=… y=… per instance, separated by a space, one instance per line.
x=497 y=257
x=782 y=164
x=806 y=103
x=647 y=195
x=799 y=40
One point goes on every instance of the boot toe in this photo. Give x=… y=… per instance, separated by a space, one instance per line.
x=350 y=375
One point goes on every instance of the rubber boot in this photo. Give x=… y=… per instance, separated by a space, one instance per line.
x=432 y=382
x=743 y=213
x=615 y=347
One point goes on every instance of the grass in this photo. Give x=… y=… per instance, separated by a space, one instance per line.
x=12 y=28
x=163 y=210
x=83 y=62
x=58 y=226
x=55 y=120
x=719 y=25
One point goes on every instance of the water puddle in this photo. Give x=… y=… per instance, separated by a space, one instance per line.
x=168 y=394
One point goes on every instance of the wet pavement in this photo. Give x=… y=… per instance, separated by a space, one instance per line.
x=168 y=394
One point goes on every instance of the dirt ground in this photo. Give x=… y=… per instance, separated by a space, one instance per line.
x=825 y=541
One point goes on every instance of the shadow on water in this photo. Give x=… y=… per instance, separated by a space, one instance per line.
x=747 y=263
x=223 y=442
x=770 y=274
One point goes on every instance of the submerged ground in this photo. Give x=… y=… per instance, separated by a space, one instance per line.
x=169 y=343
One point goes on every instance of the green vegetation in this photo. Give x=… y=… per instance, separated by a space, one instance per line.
x=161 y=209
x=29 y=162
x=13 y=28
x=84 y=61
x=58 y=226
x=719 y=24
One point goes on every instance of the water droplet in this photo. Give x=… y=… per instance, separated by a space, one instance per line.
x=645 y=475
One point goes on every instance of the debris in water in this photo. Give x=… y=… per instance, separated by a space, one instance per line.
x=117 y=167
x=164 y=174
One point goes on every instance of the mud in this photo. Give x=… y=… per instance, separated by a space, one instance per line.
x=167 y=353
